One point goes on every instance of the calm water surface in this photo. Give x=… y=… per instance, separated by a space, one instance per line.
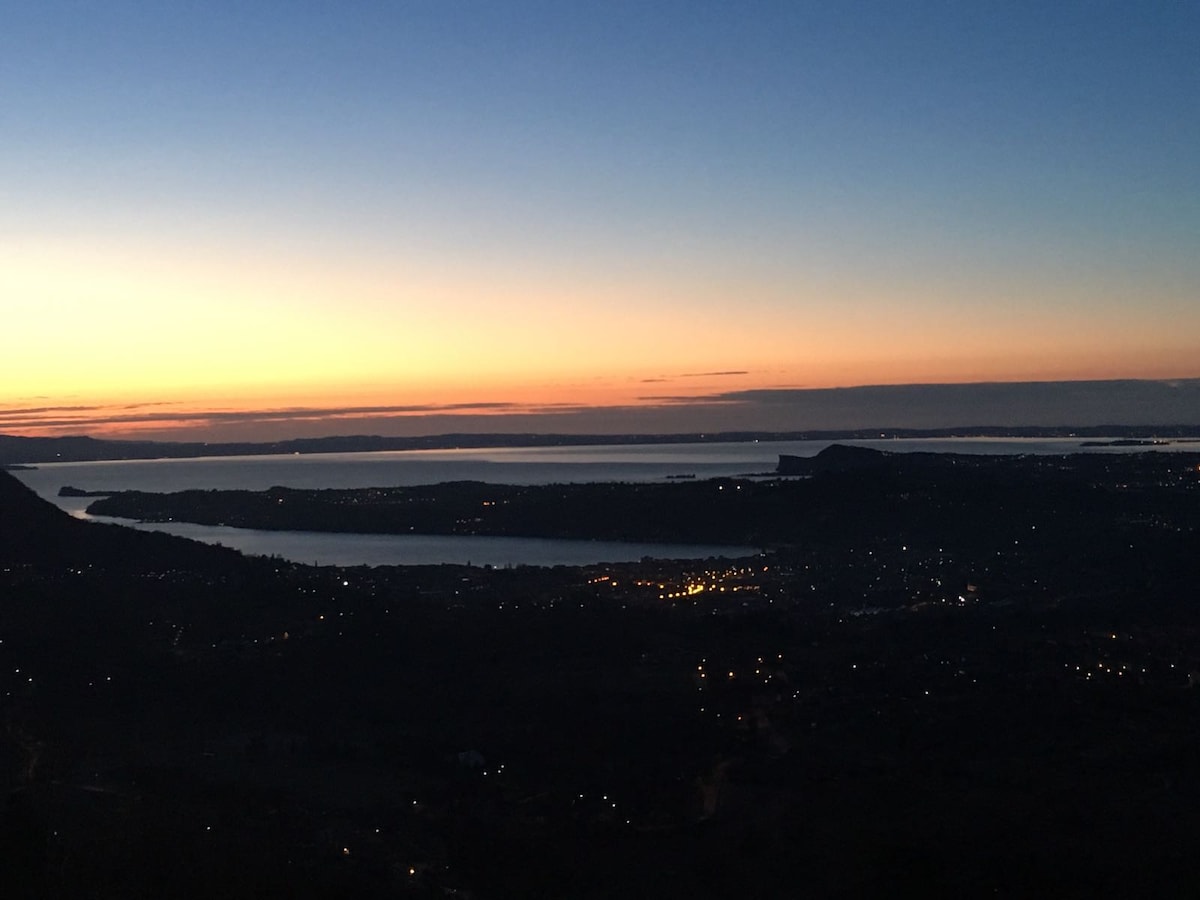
x=332 y=549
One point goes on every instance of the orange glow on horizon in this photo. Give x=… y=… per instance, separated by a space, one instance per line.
x=198 y=415
x=186 y=341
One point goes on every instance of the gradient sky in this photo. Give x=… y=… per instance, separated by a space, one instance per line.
x=397 y=216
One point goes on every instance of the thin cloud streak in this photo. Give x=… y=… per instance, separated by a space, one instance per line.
x=21 y=411
x=30 y=418
x=669 y=378
x=994 y=404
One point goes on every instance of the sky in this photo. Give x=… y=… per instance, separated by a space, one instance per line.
x=250 y=220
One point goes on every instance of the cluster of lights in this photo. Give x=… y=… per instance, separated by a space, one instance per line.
x=731 y=674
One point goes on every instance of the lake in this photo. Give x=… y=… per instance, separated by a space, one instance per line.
x=501 y=465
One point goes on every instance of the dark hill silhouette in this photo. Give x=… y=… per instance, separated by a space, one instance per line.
x=34 y=531
x=834 y=458
x=28 y=523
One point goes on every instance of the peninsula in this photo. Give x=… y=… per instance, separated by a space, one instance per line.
x=847 y=494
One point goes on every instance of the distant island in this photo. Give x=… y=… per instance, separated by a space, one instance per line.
x=68 y=491
x=15 y=449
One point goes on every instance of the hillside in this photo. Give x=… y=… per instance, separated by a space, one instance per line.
x=35 y=532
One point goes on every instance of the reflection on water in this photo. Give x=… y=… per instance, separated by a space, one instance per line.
x=337 y=549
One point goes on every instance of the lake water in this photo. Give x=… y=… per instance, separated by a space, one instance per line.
x=332 y=549
x=503 y=465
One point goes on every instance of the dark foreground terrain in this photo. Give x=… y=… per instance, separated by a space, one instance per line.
x=951 y=678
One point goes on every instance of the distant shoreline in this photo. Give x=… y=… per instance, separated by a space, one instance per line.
x=16 y=450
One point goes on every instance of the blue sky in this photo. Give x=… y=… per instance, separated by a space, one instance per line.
x=549 y=203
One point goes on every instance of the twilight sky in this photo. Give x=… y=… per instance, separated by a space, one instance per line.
x=270 y=219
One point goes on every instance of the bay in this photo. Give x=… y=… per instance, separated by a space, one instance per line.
x=333 y=549
x=500 y=465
